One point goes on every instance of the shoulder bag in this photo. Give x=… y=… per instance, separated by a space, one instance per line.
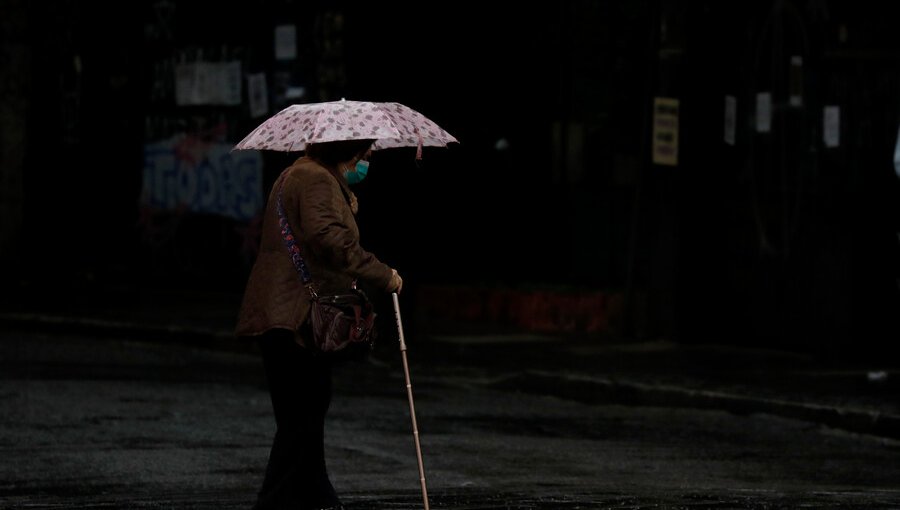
x=343 y=324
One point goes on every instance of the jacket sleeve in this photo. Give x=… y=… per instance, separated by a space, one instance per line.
x=322 y=208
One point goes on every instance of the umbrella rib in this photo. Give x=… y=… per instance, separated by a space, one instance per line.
x=382 y=108
x=315 y=128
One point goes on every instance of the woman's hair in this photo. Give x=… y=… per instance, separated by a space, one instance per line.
x=332 y=153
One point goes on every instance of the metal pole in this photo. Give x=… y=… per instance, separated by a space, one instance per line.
x=412 y=408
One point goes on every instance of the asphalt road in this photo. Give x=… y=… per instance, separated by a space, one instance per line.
x=108 y=423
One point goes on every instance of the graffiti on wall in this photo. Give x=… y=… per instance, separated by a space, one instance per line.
x=198 y=198
x=187 y=173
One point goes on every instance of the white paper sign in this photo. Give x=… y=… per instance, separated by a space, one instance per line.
x=229 y=76
x=730 y=119
x=208 y=83
x=294 y=92
x=831 y=126
x=763 y=112
x=665 y=131
x=258 y=94
x=796 y=81
x=897 y=155
x=285 y=42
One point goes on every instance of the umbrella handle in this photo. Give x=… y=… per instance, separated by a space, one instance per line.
x=412 y=408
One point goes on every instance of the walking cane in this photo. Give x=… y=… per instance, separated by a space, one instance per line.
x=412 y=409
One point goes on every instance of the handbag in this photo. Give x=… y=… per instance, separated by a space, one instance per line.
x=342 y=324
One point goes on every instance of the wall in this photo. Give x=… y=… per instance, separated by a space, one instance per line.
x=773 y=239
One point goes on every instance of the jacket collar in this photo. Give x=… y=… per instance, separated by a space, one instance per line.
x=342 y=182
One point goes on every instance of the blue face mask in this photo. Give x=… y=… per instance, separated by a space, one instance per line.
x=356 y=175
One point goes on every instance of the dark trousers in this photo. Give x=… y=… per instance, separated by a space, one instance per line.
x=300 y=389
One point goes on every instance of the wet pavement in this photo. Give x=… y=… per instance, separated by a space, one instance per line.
x=143 y=408
x=762 y=500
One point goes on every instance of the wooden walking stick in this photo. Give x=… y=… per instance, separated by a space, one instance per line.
x=412 y=408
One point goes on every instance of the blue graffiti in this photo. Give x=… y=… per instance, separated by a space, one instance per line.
x=211 y=180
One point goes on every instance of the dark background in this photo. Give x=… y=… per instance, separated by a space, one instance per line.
x=775 y=241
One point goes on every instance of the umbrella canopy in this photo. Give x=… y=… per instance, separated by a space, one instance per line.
x=389 y=124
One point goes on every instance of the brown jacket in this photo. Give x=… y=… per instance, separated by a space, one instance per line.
x=317 y=205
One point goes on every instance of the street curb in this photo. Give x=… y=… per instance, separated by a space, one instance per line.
x=595 y=390
x=588 y=389
x=209 y=338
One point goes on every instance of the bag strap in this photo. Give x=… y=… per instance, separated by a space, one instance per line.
x=290 y=242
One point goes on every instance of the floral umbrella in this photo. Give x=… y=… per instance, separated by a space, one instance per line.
x=389 y=124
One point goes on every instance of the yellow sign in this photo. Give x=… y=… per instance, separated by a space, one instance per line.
x=665 y=131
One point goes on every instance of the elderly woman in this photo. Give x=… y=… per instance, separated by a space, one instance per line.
x=275 y=310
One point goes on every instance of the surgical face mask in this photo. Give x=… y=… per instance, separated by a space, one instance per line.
x=357 y=174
